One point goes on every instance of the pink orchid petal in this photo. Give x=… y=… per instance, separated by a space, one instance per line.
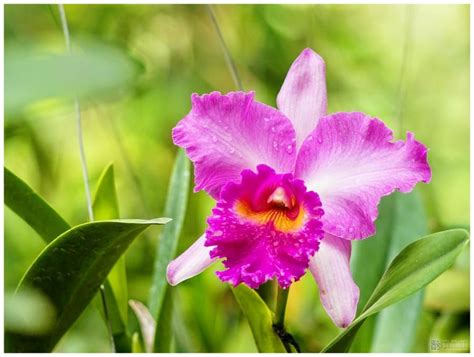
x=193 y=261
x=337 y=290
x=350 y=161
x=258 y=241
x=225 y=134
x=302 y=97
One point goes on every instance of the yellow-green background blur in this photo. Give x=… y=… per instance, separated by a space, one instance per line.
x=407 y=65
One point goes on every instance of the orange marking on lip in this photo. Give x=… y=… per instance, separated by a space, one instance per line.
x=277 y=215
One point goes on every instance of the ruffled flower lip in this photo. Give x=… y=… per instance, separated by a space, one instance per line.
x=265 y=227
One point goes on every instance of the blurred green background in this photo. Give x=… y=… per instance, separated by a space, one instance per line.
x=407 y=65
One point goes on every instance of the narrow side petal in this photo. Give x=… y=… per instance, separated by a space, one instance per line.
x=350 y=161
x=337 y=290
x=193 y=261
x=303 y=97
x=225 y=134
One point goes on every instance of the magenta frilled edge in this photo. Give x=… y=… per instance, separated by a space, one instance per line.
x=293 y=186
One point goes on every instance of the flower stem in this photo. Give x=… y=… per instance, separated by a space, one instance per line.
x=280 y=308
x=279 y=323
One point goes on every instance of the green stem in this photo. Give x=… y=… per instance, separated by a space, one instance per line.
x=279 y=324
x=282 y=298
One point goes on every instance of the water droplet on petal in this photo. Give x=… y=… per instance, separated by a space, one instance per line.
x=320 y=140
x=310 y=138
x=289 y=149
x=273 y=129
x=217 y=233
x=275 y=145
x=214 y=139
x=232 y=150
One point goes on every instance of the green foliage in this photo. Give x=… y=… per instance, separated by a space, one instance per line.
x=160 y=300
x=416 y=266
x=164 y=327
x=113 y=317
x=401 y=221
x=96 y=69
x=105 y=206
x=136 y=344
x=27 y=204
x=260 y=319
x=70 y=270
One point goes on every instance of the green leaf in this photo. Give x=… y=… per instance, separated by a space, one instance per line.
x=35 y=211
x=260 y=319
x=175 y=208
x=136 y=343
x=70 y=270
x=416 y=266
x=31 y=76
x=105 y=203
x=402 y=221
x=164 y=329
x=120 y=336
x=105 y=206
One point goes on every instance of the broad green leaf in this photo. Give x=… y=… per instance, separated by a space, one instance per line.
x=70 y=270
x=260 y=319
x=166 y=250
x=31 y=76
x=401 y=221
x=416 y=266
x=105 y=206
x=395 y=326
x=33 y=209
x=147 y=323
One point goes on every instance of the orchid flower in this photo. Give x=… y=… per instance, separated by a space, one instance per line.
x=293 y=186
